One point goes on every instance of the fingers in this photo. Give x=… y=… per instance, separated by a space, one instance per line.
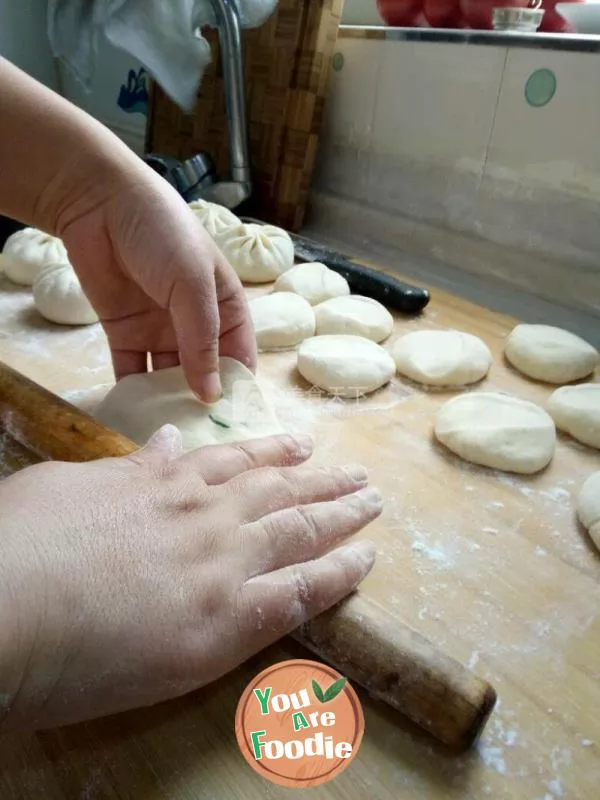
x=274 y=604
x=220 y=463
x=128 y=362
x=237 y=337
x=164 y=444
x=194 y=310
x=304 y=533
x=165 y=360
x=263 y=491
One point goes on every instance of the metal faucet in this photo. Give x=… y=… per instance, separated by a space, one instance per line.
x=196 y=177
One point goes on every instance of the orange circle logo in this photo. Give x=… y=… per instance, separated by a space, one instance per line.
x=299 y=723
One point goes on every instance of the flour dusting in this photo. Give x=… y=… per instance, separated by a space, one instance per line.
x=491 y=567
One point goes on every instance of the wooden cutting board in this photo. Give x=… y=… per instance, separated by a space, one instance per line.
x=491 y=567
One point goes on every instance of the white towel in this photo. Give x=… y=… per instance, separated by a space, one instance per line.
x=163 y=35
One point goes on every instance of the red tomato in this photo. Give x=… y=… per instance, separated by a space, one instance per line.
x=478 y=13
x=443 y=13
x=553 y=22
x=401 y=13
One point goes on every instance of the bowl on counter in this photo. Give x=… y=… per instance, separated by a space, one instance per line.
x=522 y=20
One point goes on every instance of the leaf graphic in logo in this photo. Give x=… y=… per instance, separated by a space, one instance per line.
x=334 y=689
x=318 y=691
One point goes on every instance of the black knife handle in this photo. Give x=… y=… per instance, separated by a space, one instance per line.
x=369 y=282
x=386 y=289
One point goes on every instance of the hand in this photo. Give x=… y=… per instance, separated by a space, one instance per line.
x=124 y=582
x=158 y=281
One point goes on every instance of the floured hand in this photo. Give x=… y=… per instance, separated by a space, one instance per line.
x=128 y=581
x=157 y=281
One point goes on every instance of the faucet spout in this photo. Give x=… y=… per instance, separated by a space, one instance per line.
x=233 y=79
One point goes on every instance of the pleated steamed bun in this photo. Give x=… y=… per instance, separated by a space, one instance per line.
x=27 y=252
x=258 y=253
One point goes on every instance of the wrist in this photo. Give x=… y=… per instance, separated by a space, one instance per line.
x=22 y=586
x=13 y=644
x=59 y=162
x=99 y=170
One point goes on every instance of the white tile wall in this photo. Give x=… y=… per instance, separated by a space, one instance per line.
x=408 y=125
x=557 y=145
x=436 y=102
x=442 y=133
x=350 y=108
x=429 y=144
x=541 y=186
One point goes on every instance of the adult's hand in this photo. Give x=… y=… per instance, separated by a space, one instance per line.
x=159 y=284
x=124 y=582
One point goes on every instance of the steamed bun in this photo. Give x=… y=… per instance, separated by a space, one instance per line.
x=27 y=252
x=215 y=218
x=258 y=253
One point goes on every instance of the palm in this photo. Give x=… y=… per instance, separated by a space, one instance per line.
x=159 y=285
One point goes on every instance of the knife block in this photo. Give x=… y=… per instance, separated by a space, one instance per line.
x=287 y=64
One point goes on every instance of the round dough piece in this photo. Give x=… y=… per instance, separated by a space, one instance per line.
x=27 y=252
x=588 y=507
x=140 y=404
x=347 y=366
x=215 y=218
x=549 y=354
x=258 y=253
x=58 y=296
x=442 y=358
x=497 y=431
x=354 y=315
x=313 y=281
x=281 y=320
x=576 y=410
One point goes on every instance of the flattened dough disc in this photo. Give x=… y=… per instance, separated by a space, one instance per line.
x=139 y=404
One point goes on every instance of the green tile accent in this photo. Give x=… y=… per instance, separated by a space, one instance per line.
x=540 y=87
x=338 y=62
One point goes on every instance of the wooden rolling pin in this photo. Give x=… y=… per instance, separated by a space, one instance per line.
x=358 y=637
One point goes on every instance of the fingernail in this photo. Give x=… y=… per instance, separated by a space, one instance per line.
x=361 y=551
x=168 y=438
x=371 y=497
x=211 y=388
x=304 y=445
x=357 y=472
x=167 y=431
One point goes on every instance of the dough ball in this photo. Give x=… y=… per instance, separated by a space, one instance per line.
x=215 y=218
x=497 y=431
x=258 y=253
x=139 y=404
x=313 y=281
x=347 y=366
x=442 y=358
x=576 y=410
x=281 y=320
x=550 y=354
x=58 y=296
x=354 y=315
x=27 y=252
x=588 y=507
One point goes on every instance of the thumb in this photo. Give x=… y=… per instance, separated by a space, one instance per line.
x=195 y=315
x=165 y=443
